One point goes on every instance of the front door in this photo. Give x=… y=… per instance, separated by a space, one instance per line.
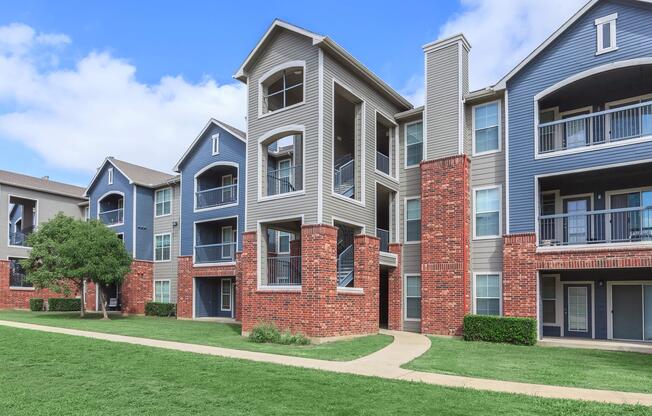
x=578 y=319
x=627 y=311
x=214 y=297
x=576 y=224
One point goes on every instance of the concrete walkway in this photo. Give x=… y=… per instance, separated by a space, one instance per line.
x=384 y=364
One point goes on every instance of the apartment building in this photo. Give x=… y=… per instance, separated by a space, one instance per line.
x=526 y=198
x=26 y=202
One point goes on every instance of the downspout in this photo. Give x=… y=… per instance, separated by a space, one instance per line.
x=465 y=255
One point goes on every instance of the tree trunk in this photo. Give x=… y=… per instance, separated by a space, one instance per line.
x=82 y=291
x=105 y=315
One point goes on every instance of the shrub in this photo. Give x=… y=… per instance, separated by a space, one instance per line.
x=519 y=331
x=64 y=304
x=160 y=309
x=268 y=332
x=36 y=304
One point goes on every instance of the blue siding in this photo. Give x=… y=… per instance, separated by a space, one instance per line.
x=571 y=53
x=231 y=149
x=120 y=184
x=144 y=223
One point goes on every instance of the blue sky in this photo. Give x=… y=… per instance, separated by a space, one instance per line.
x=138 y=80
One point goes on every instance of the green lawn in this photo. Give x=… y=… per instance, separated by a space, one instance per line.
x=624 y=371
x=54 y=374
x=196 y=332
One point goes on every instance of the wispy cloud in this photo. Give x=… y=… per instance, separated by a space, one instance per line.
x=74 y=117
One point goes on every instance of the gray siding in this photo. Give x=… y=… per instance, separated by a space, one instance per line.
x=373 y=101
x=162 y=225
x=48 y=206
x=283 y=47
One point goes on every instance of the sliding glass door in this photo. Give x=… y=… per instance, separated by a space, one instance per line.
x=631 y=308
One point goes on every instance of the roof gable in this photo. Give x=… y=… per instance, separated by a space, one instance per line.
x=40 y=184
x=135 y=174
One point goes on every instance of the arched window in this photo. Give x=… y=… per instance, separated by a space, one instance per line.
x=282 y=88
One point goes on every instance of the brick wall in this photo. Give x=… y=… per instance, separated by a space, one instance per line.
x=90 y=296
x=19 y=298
x=184 y=283
x=395 y=290
x=318 y=309
x=137 y=287
x=445 y=219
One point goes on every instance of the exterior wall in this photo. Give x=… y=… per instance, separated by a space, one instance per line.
x=137 y=288
x=167 y=270
x=284 y=47
x=144 y=218
x=445 y=289
x=571 y=53
x=519 y=276
x=187 y=272
x=232 y=150
x=395 y=291
x=361 y=212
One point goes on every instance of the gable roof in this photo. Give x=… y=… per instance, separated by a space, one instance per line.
x=331 y=46
x=136 y=174
x=41 y=184
x=502 y=84
x=239 y=134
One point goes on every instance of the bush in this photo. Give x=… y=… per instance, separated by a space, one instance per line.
x=64 y=304
x=36 y=304
x=519 y=331
x=160 y=309
x=269 y=333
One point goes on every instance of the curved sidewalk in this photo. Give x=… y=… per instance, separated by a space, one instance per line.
x=384 y=364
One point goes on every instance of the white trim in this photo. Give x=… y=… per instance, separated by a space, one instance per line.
x=162 y=260
x=359 y=225
x=559 y=301
x=194 y=296
x=210 y=166
x=230 y=284
x=500 y=291
x=582 y=282
x=500 y=211
x=278 y=242
x=460 y=99
x=442 y=43
x=194 y=240
x=499 y=125
x=262 y=159
x=507 y=210
x=320 y=139
x=97 y=174
x=99 y=200
x=9 y=258
x=169 y=288
x=134 y=220
x=610 y=285
x=404 y=297
x=393 y=150
x=215 y=144
x=109 y=173
x=274 y=71
x=155 y=203
x=405 y=220
x=405 y=144
x=424 y=119
x=259 y=252
x=599 y=23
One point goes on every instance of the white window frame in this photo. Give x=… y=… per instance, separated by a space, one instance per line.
x=169 y=290
x=87 y=212
x=274 y=71
x=230 y=284
x=157 y=202
x=393 y=133
x=405 y=220
x=110 y=176
x=405 y=144
x=26 y=288
x=156 y=236
x=215 y=144
x=559 y=296
x=228 y=229
x=599 y=25
x=230 y=176
x=500 y=291
x=278 y=242
x=500 y=212
x=499 y=125
x=263 y=142
x=405 y=297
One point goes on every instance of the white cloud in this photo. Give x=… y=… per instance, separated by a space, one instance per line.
x=74 y=117
x=503 y=32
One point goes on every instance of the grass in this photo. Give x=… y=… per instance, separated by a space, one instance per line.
x=606 y=370
x=196 y=332
x=53 y=374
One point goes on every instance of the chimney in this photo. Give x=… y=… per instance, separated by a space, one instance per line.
x=46 y=178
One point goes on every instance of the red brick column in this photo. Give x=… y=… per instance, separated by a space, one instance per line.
x=137 y=288
x=395 y=290
x=359 y=315
x=184 y=287
x=237 y=287
x=519 y=275
x=90 y=296
x=249 y=273
x=445 y=246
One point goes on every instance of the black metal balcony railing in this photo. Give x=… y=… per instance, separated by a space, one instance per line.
x=215 y=253
x=614 y=125
x=623 y=225
x=382 y=162
x=283 y=271
x=19 y=238
x=284 y=180
x=384 y=239
x=112 y=217
x=216 y=197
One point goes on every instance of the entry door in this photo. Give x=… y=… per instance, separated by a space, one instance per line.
x=578 y=320
x=214 y=297
x=627 y=311
x=576 y=227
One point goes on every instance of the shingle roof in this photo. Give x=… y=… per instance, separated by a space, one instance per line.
x=141 y=175
x=41 y=184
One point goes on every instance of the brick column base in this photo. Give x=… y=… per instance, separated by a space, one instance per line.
x=137 y=287
x=395 y=290
x=519 y=275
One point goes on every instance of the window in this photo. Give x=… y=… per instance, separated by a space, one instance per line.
x=486 y=128
x=606 y=33
x=227 y=243
x=215 y=144
x=413 y=297
x=17 y=275
x=110 y=175
x=162 y=251
x=413 y=144
x=162 y=291
x=487 y=294
x=549 y=300
x=227 y=188
x=226 y=295
x=487 y=213
x=283 y=89
x=283 y=242
x=413 y=220
x=87 y=213
x=163 y=202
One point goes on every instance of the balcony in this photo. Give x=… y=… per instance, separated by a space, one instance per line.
x=282 y=170
x=215 y=253
x=216 y=186
x=283 y=180
x=382 y=163
x=19 y=237
x=280 y=261
x=596 y=129
x=344 y=177
x=111 y=210
x=215 y=197
x=284 y=271
x=216 y=241
x=22 y=220
x=384 y=239
x=113 y=216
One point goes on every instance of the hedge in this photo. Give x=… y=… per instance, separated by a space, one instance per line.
x=160 y=309
x=36 y=304
x=519 y=331
x=267 y=332
x=64 y=304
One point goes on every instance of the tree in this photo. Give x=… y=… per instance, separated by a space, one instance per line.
x=68 y=252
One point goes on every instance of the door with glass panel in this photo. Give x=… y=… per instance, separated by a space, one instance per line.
x=631 y=311
x=576 y=223
x=578 y=319
x=285 y=182
x=577 y=132
x=227 y=243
